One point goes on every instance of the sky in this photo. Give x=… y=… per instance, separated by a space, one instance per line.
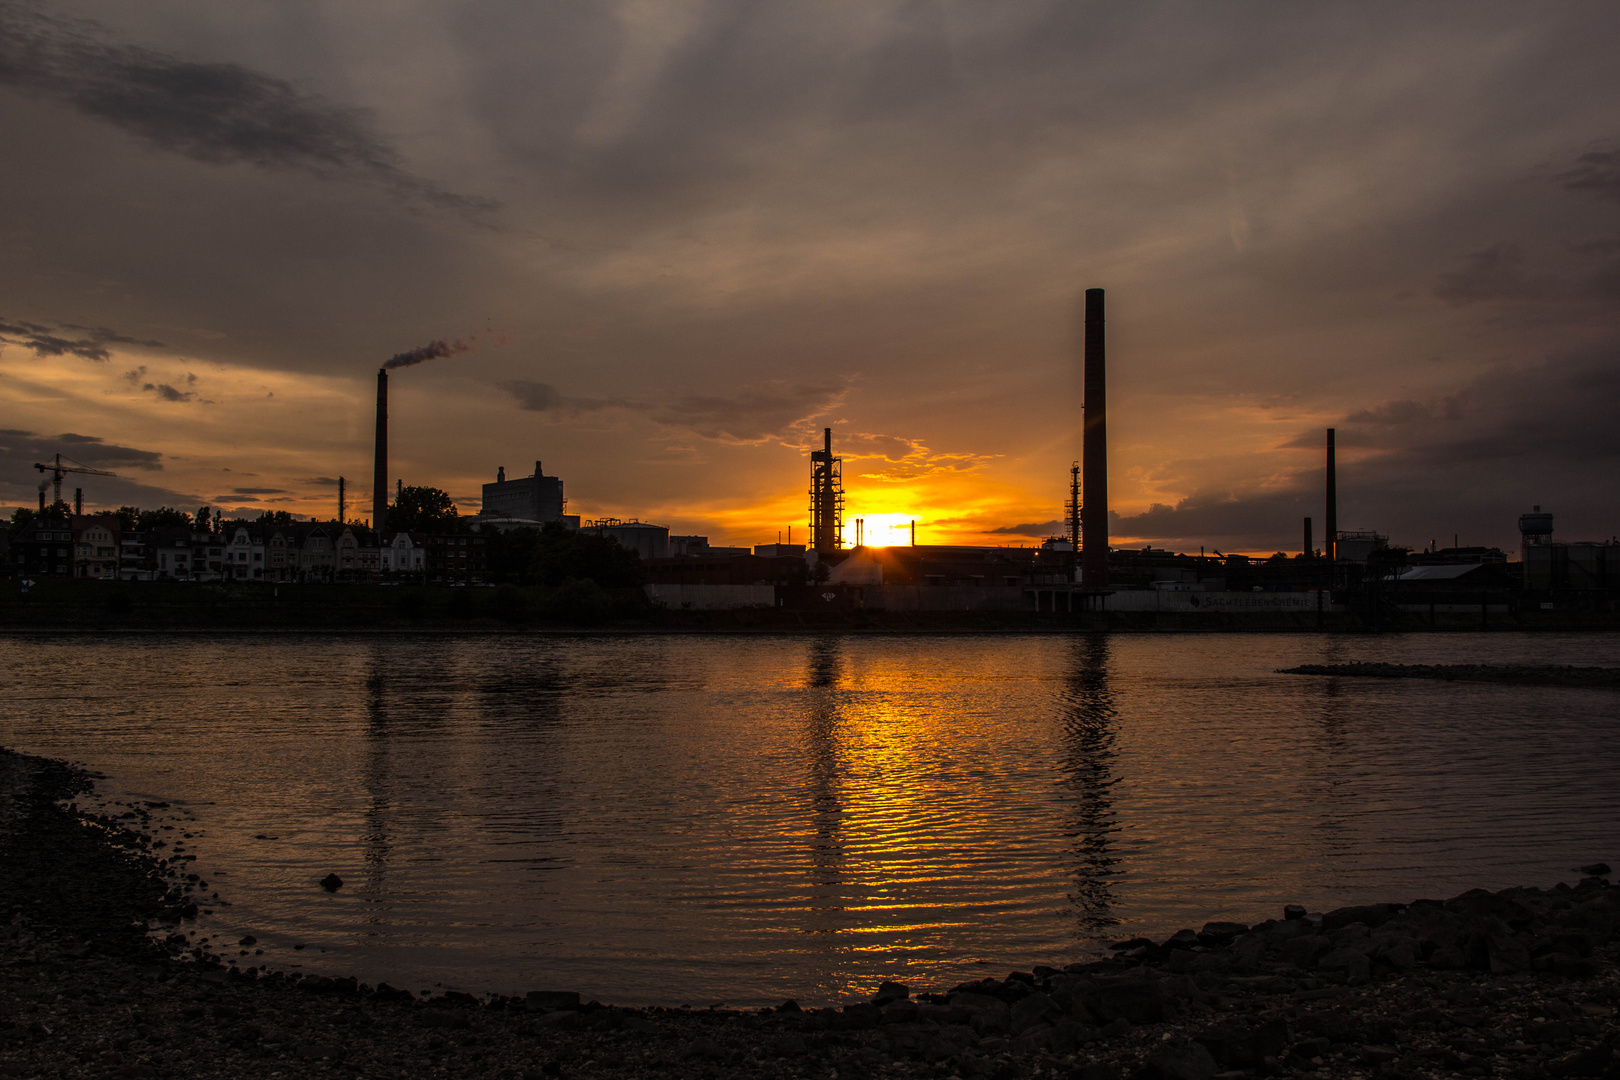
x=679 y=238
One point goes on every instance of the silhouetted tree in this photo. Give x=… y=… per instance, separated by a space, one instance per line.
x=57 y=513
x=510 y=555
x=423 y=509
x=562 y=553
x=164 y=517
x=271 y=519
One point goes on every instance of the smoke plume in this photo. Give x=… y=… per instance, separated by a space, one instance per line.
x=433 y=350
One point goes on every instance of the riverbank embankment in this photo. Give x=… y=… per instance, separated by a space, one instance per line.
x=70 y=606
x=1522 y=983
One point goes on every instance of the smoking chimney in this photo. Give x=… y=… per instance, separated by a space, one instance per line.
x=1094 y=450
x=1330 y=544
x=379 y=479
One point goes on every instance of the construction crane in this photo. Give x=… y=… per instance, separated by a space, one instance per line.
x=59 y=470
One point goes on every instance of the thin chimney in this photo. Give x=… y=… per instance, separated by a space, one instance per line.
x=1094 y=449
x=1309 y=546
x=379 y=480
x=1331 y=543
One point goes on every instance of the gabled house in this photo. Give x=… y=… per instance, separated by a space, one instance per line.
x=402 y=553
x=95 y=547
x=244 y=554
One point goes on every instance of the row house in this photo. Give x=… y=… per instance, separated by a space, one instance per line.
x=244 y=554
x=44 y=549
x=86 y=546
x=457 y=558
x=402 y=553
x=95 y=548
x=134 y=556
x=177 y=553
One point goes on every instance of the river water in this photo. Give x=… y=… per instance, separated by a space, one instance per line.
x=695 y=820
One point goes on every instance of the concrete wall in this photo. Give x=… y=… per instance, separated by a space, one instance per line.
x=972 y=598
x=1167 y=600
x=711 y=597
x=945 y=597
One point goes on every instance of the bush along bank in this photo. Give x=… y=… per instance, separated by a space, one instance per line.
x=1521 y=983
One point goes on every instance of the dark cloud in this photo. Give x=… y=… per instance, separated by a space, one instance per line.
x=1252 y=521
x=1037 y=530
x=169 y=393
x=216 y=113
x=751 y=417
x=1596 y=173
x=896 y=459
x=892 y=448
x=258 y=491
x=534 y=396
x=20 y=482
x=544 y=398
x=1606 y=245
x=1316 y=439
x=1463 y=463
x=323 y=481
x=1498 y=272
x=45 y=341
x=23 y=448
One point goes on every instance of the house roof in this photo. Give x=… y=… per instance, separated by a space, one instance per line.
x=1446 y=572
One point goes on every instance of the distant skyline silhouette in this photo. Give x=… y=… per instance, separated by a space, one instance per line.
x=705 y=233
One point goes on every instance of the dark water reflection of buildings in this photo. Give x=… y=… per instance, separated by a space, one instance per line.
x=375 y=838
x=822 y=743
x=1090 y=732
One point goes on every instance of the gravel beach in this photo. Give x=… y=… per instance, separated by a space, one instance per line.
x=101 y=977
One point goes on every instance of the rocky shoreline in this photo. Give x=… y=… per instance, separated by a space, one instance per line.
x=1519 y=983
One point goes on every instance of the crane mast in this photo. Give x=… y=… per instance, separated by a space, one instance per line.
x=59 y=470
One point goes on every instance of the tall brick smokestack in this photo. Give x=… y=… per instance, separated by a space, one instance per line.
x=1094 y=451
x=379 y=479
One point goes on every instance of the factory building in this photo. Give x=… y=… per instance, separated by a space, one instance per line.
x=698 y=547
x=1591 y=566
x=525 y=501
x=644 y=538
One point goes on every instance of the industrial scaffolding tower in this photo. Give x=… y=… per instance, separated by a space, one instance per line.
x=826 y=498
x=1073 y=508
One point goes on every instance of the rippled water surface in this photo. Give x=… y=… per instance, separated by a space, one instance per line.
x=696 y=820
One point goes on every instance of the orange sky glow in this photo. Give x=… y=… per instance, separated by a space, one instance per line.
x=688 y=238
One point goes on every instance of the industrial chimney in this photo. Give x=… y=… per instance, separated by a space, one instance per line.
x=379 y=479
x=1330 y=543
x=1094 y=451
